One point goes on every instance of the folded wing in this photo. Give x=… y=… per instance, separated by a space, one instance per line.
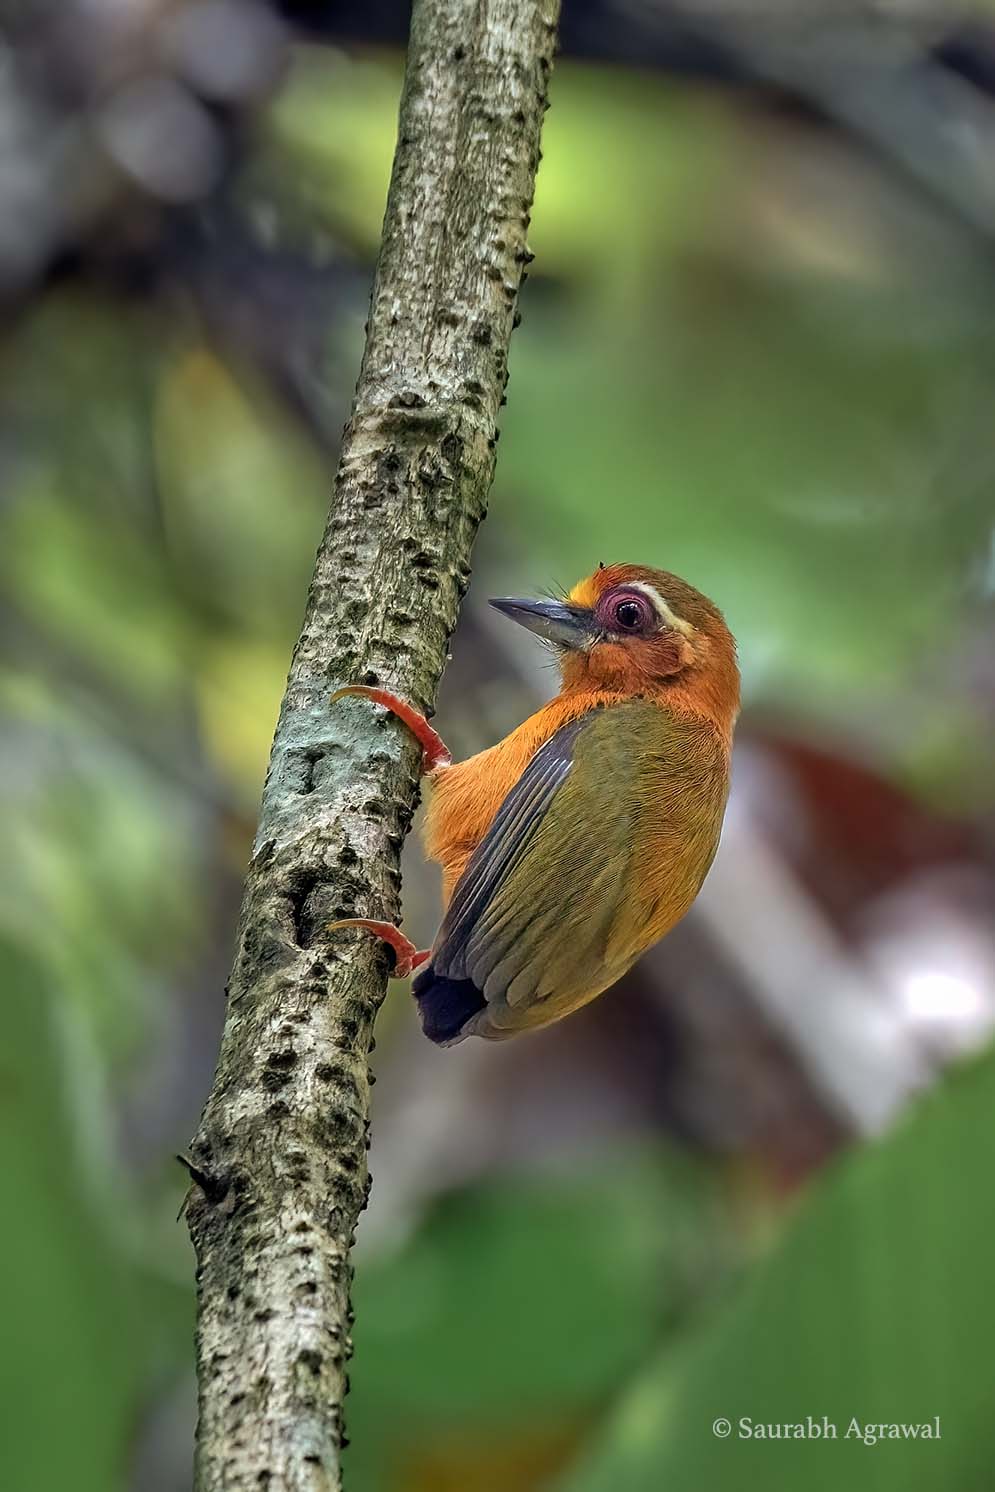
x=570 y=880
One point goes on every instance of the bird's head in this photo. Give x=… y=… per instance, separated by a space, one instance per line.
x=630 y=630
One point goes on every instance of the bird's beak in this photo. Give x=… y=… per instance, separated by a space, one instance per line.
x=557 y=621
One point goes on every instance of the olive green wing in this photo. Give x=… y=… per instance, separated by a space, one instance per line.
x=532 y=930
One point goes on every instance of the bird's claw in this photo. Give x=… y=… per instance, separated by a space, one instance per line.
x=435 y=753
x=407 y=957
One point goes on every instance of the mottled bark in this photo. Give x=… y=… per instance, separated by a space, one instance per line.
x=279 y=1160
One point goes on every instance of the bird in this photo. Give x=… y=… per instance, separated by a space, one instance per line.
x=583 y=837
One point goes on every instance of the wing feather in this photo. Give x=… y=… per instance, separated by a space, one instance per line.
x=563 y=893
x=502 y=849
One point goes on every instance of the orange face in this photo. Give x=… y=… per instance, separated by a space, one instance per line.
x=649 y=628
x=628 y=630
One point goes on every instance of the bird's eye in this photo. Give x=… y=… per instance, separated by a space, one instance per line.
x=629 y=615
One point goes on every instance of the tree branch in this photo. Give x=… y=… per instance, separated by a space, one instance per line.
x=279 y=1160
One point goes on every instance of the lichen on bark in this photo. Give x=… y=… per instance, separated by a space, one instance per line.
x=278 y=1163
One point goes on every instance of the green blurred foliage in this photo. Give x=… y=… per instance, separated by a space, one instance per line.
x=875 y=1305
x=791 y=441
x=89 y=1333
x=525 y=1304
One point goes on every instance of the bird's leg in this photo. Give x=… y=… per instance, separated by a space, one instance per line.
x=407 y=957
x=435 y=757
x=435 y=753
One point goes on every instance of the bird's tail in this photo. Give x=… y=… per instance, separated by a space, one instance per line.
x=446 y=1005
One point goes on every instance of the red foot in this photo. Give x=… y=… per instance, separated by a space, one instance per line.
x=407 y=957
x=435 y=753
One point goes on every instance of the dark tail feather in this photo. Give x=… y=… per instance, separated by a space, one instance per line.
x=445 y=1005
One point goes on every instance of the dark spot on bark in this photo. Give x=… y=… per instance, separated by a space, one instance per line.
x=459 y=53
x=285 y=1060
x=301 y=883
x=215 y=1185
x=306 y=1289
x=326 y=1072
x=311 y=1360
x=277 y=1070
x=278 y=1110
x=368 y=676
x=336 y=1128
x=374 y=808
x=233 y=1292
x=312 y=1460
x=263 y=1314
x=348 y=856
x=482 y=333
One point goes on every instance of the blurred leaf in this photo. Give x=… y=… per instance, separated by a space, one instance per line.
x=878 y=1304
x=243 y=496
x=525 y=1303
x=239 y=686
x=110 y=890
x=68 y=1376
x=338 y=115
x=98 y=590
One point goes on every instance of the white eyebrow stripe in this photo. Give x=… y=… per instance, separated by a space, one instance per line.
x=661 y=608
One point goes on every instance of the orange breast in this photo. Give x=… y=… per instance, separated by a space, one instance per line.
x=467 y=795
